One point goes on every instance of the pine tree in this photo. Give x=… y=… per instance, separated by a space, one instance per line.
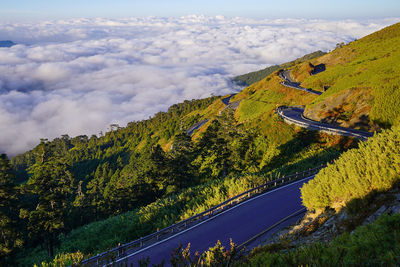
x=52 y=186
x=180 y=165
x=10 y=238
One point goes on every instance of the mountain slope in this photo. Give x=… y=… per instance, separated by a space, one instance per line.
x=154 y=173
x=363 y=78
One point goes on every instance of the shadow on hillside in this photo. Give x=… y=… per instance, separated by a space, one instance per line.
x=362 y=123
x=301 y=143
x=359 y=209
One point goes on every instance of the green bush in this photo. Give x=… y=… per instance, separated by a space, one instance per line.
x=377 y=244
x=63 y=260
x=385 y=110
x=375 y=165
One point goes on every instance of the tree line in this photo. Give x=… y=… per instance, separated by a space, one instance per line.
x=68 y=182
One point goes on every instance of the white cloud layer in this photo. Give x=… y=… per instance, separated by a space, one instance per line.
x=79 y=76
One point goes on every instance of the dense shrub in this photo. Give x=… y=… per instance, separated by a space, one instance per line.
x=375 y=165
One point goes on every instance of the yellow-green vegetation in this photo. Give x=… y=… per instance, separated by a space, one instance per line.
x=99 y=236
x=376 y=244
x=63 y=260
x=375 y=165
x=299 y=154
x=124 y=185
x=364 y=79
x=258 y=104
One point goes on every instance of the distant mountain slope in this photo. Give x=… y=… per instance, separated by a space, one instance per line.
x=255 y=76
x=7 y=43
x=363 y=78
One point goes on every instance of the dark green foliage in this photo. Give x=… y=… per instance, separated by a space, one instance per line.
x=86 y=154
x=214 y=257
x=255 y=76
x=51 y=187
x=99 y=236
x=10 y=236
x=182 y=257
x=130 y=182
x=182 y=169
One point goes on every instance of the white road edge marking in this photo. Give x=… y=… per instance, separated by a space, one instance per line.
x=209 y=219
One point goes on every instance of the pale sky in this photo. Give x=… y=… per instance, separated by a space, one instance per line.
x=327 y=9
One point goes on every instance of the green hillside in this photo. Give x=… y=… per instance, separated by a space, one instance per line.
x=127 y=169
x=361 y=76
x=357 y=182
x=152 y=173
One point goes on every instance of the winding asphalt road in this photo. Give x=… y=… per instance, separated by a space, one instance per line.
x=295 y=115
x=196 y=126
x=240 y=223
x=289 y=82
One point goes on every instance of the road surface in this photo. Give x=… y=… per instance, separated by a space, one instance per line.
x=239 y=223
x=191 y=130
x=225 y=100
x=289 y=82
x=295 y=115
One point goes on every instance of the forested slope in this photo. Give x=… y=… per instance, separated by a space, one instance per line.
x=83 y=193
x=127 y=169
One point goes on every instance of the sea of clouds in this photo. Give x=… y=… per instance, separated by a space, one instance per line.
x=79 y=76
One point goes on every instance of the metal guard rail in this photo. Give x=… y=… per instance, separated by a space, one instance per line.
x=113 y=254
x=320 y=127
